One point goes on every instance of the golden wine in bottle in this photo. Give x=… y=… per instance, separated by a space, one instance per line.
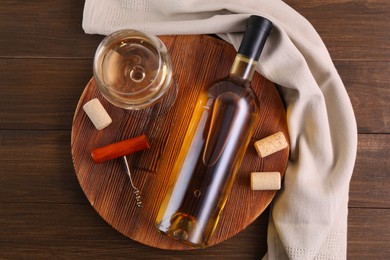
x=214 y=146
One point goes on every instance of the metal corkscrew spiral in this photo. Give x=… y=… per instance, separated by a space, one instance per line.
x=137 y=197
x=121 y=149
x=136 y=191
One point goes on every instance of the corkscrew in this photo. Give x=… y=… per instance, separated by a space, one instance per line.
x=121 y=149
x=136 y=191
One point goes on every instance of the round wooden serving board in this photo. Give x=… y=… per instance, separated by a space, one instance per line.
x=197 y=61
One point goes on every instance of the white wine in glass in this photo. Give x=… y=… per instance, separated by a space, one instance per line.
x=133 y=69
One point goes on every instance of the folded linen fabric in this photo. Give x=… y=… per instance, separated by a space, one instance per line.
x=308 y=218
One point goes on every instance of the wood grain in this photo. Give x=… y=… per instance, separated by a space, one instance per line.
x=32 y=159
x=38 y=33
x=351 y=29
x=368 y=233
x=371 y=177
x=45 y=63
x=106 y=186
x=87 y=236
x=58 y=84
x=367 y=83
x=41 y=93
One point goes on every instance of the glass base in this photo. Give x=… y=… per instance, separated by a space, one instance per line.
x=161 y=108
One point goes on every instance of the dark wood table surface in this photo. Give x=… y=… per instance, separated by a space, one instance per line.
x=45 y=63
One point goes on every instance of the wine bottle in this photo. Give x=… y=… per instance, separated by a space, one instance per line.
x=214 y=146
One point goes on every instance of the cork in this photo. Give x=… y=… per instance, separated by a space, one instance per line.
x=98 y=115
x=265 y=181
x=271 y=144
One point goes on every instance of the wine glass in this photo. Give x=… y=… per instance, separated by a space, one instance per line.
x=133 y=70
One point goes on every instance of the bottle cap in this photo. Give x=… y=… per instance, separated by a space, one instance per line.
x=257 y=31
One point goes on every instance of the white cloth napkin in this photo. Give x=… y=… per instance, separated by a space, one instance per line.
x=308 y=219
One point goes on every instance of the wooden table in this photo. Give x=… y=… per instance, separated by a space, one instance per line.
x=45 y=62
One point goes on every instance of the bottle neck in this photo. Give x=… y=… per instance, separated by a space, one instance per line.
x=243 y=68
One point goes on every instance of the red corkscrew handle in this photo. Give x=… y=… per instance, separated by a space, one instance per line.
x=120 y=149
